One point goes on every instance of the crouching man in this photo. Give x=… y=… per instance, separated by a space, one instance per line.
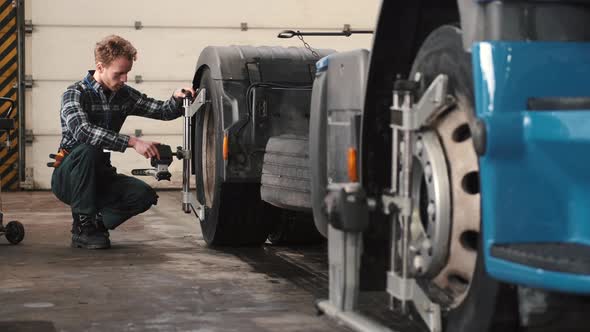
x=92 y=113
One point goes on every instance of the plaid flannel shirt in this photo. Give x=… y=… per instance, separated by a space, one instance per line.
x=89 y=116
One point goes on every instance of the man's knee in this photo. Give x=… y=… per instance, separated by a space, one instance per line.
x=151 y=196
x=146 y=197
x=138 y=199
x=57 y=187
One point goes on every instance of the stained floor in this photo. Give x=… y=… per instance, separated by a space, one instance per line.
x=158 y=276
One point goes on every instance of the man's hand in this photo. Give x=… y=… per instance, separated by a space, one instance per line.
x=145 y=148
x=182 y=93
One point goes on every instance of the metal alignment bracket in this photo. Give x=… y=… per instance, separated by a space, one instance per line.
x=393 y=204
x=433 y=102
x=412 y=118
x=189 y=201
x=196 y=105
x=428 y=311
x=183 y=154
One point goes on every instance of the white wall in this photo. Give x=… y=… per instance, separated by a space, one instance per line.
x=60 y=51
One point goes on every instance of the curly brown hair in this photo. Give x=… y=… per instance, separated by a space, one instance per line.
x=112 y=47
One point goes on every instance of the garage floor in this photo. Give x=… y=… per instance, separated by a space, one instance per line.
x=158 y=276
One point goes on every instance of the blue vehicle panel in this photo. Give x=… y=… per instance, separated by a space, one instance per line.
x=535 y=182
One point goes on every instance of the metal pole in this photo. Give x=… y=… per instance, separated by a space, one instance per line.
x=186 y=174
x=406 y=192
x=394 y=191
x=20 y=22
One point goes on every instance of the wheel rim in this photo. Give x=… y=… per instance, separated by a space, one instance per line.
x=445 y=222
x=456 y=275
x=431 y=216
x=208 y=155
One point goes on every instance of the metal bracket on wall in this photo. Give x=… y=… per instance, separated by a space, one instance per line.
x=346 y=28
x=28 y=26
x=28 y=82
x=244 y=26
x=138 y=25
x=29 y=137
x=29 y=183
x=138 y=79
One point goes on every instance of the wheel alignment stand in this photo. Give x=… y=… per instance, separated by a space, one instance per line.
x=189 y=202
x=14 y=230
x=348 y=207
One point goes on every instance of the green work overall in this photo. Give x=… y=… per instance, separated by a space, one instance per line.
x=88 y=182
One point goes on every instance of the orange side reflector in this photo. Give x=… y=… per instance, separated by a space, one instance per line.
x=225 y=147
x=352 y=169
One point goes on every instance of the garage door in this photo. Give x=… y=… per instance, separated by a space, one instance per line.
x=169 y=37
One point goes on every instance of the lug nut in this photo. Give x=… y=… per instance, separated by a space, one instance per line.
x=426 y=245
x=428 y=172
x=418 y=77
x=431 y=209
x=419 y=263
x=419 y=146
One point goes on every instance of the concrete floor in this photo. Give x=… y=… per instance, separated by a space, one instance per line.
x=158 y=276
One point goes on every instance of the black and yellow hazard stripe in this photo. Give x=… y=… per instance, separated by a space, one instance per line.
x=8 y=79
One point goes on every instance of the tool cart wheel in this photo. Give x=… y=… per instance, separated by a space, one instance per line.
x=234 y=212
x=475 y=302
x=15 y=232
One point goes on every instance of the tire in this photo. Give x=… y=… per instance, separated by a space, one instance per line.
x=286 y=185
x=294 y=228
x=234 y=212
x=552 y=311
x=285 y=173
x=488 y=306
x=486 y=303
x=15 y=232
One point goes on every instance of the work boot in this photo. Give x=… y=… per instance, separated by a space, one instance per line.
x=85 y=233
x=100 y=225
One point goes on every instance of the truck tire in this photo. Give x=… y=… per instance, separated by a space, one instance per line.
x=286 y=185
x=234 y=212
x=285 y=173
x=485 y=303
x=294 y=228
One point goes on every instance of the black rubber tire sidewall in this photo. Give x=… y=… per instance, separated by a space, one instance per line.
x=209 y=222
x=236 y=216
x=294 y=228
x=442 y=53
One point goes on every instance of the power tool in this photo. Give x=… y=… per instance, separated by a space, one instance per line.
x=160 y=170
